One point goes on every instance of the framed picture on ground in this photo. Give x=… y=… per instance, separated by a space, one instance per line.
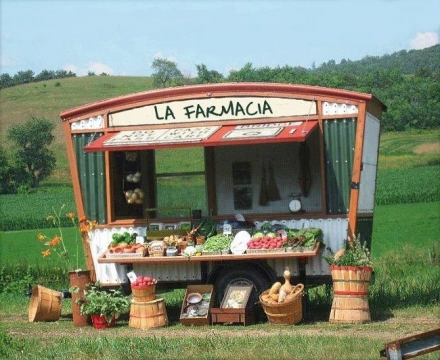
x=236 y=296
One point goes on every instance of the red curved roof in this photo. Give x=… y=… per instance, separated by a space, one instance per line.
x=187 y=92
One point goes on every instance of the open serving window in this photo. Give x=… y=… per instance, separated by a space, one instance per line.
x=249 y=169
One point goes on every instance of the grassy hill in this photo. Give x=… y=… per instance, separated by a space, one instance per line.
x=47 y=99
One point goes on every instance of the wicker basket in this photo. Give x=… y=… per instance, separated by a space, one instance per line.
x=45 y=304
x=287 y=313
x=143 y=293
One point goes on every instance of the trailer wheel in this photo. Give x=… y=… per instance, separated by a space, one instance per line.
x=241 y=275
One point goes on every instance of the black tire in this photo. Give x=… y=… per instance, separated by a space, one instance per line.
x=242 y=275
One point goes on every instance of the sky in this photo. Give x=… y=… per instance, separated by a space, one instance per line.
x=123 y=38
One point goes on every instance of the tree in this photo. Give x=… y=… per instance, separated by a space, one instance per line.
x=205 y=76
x=166 y=71
x=6 y=81
x=7 y=184
x=45 y=75
x=24 y=77
x=33 y=158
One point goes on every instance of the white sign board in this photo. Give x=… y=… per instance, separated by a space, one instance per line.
x=212 y=109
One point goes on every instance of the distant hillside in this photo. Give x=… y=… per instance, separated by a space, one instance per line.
x=408 y=82
x=409 y=62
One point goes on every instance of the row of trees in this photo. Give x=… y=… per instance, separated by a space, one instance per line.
x=408 y=83
x=28 y=76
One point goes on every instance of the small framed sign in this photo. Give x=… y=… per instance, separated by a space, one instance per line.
x=236 y=297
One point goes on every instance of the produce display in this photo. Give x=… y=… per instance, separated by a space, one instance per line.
x=268 y=241
x=269 y=238
x=218 y=242
x=306 y=237
x=135 y=196
x=142 y=281
x=123 y=239
x=125 y=245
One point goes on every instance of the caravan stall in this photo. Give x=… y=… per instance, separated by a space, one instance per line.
x=291 y=155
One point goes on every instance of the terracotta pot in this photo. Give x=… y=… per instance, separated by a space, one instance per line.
x=100 y=322
x=79 y=279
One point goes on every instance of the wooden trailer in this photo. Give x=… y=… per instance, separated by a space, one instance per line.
x=296 y=155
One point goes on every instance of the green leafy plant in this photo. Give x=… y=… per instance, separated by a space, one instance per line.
x=99 y=301
x=355 y=253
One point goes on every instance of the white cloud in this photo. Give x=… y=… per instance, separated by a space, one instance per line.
x=424 y=40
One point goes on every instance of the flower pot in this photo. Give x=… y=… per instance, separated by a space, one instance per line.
x=350 y=288
x=79 y=279
x=351 y=280
x=100 y=322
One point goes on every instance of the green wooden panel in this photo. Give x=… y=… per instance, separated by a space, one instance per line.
x=339 y=141
x=91 y=170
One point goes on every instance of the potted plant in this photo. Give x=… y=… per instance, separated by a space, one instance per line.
x=103 y=305
x=351 y=267
x=55 y=250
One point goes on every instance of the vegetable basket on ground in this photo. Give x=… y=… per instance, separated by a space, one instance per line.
x=288 y=312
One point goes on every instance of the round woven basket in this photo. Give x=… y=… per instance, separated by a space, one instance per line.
x=286 y=313
x=143 y=293
x=45 y=304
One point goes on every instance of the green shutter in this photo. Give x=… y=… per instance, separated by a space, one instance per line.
x=339 y=141
x=91 y=171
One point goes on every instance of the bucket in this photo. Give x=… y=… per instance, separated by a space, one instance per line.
x=286 y=313
x=45 y=304
x=350 y=309
x=351 y=280
x=100 y=322
x=149 y=314
x=143 y=293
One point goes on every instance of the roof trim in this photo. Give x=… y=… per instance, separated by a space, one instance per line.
x=213 y=90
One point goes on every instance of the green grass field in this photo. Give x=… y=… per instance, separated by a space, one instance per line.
x=416 y=225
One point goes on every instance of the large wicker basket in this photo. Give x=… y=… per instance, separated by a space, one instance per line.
x=286 y=313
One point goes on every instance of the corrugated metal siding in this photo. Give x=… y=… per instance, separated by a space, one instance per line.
x=339 y=139
x=370 y=154
x=92 y=177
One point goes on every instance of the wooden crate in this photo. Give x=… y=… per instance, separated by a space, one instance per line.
x=197 y=320
x=243 y=316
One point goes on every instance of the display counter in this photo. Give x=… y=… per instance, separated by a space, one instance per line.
x=203 y=258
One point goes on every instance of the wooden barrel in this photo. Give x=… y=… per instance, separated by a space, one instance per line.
x=351 y=280
x=350 y=309
x=45 y=304
x=148 y=314
x=143 y=293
